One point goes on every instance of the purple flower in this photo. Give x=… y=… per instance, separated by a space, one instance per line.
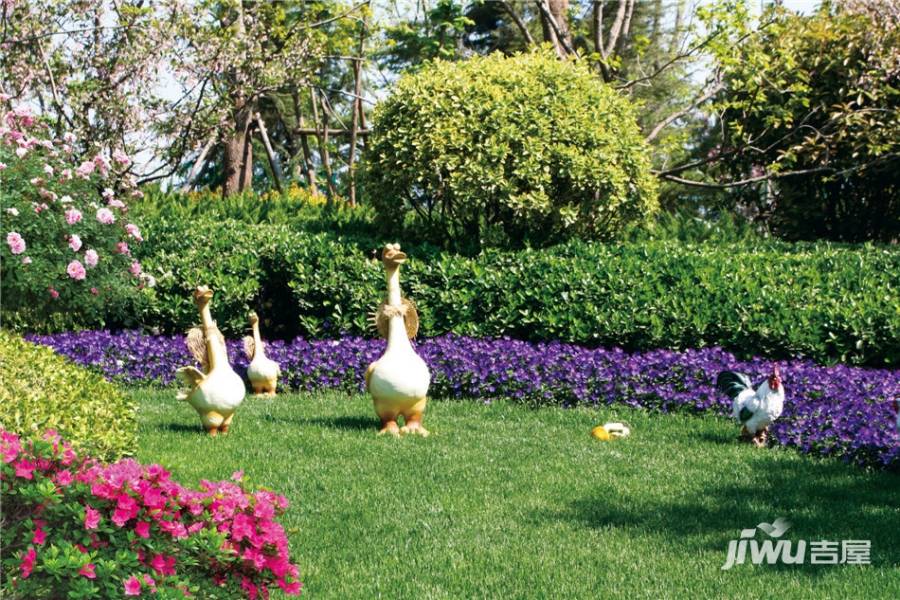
x=838 y=411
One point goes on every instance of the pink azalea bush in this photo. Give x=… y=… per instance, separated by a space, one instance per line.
x=77 y=528
x=61 y=233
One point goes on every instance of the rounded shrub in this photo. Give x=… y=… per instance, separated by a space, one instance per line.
x=41 y=390
x=502 y=150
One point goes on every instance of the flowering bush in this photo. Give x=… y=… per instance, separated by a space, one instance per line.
x=75 y=528
x=66 y=243
x=838 y=411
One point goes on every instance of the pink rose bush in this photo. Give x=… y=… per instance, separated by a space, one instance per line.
x=76 y=528
x=53 y=207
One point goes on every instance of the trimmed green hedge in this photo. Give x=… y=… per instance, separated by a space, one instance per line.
x=41 y=390
x=823 y=301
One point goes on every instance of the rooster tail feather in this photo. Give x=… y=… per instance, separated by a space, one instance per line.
x=732 y=383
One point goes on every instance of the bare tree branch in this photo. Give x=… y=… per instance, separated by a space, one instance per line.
x=561 y=36
x=709 y=93
x=518 y=21
x=742 y=182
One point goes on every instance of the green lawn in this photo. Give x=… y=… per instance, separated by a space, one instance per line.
x=504 y=501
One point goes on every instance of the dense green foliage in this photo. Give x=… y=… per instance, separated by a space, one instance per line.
x=42 y=390
x=821 y=301
x=507 y=502
x=820 y=95
x=499 y=151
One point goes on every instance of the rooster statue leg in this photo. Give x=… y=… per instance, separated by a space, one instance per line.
x=413 y=419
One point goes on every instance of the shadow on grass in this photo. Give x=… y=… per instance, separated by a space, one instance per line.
x=348 y=423
x=176 y=427
x=823 y=500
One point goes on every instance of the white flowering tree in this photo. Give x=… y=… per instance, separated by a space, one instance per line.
x=65 y=222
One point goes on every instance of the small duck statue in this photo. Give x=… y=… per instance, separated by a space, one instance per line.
x=216 y=391
x=398 y=381
x=262 y=371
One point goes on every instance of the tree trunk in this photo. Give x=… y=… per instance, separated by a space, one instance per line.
x=357 y=109
x=308 y=166
x=238 y=160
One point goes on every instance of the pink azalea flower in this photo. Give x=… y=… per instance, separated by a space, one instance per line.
x=135 y=269
x=24 y=469
x=132 y=586
x=150 y=582
x=76 y=270
x=10 y=446
x=164 y=565
x=142 y=528
x=64 y=478
x=134 y=232
x=16 y=242
x=88 y=571
x=122 y=248
x=91 y=258
x=105 y=216
x=53 y=293
x=28 y=562
x=40 y=536
x=73 y=215
x=91 y=517
x=75 y=242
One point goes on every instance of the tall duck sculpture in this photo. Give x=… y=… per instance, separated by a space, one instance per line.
x=216 y=391
x=262 y=371
x=398 y=381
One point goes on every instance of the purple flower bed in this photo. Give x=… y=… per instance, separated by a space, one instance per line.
x=835 y=411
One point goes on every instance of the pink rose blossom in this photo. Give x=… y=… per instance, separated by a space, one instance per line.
x=48 y=170
x=116 y=203
x=66 y=174
x=66 y=199
x=13 y=211
x=121 y=158
x=73 y=215
x=134 y=232
x=91 y=258
x=95 y=291
x=105 y=216
x=122 y=248
x=91 y=517
x=75 y=242
x=21 y=152
x=69 y=137
x=135 y=269
x=101 y=165
x=53 y=293
x=2 y=166
x=39 y=207
x=88 y=571
x=26 y=260
x=76 y=270
x=16 y=242
x=36 y=181
x=85 y=169
x=132 y=586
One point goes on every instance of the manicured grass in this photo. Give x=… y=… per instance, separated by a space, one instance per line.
x=507 y=502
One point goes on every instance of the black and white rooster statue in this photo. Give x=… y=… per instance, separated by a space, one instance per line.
x=755 y=409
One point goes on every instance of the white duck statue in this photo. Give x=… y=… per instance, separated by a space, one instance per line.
x=216 y=391
x=262 y=371
x=398 y=381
